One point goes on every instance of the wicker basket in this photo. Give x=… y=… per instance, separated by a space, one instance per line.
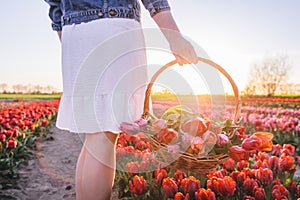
x=186 y=161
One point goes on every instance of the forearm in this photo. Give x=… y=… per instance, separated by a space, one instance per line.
x=167 y=24
x=180 y=47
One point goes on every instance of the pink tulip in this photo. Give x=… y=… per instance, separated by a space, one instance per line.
x=222 y=140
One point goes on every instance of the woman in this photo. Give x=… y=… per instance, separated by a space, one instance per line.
x=83 y=26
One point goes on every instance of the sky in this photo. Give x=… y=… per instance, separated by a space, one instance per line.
x=236 y=34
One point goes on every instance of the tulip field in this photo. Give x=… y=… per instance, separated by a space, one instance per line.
x=20 y=124
x=262 y=148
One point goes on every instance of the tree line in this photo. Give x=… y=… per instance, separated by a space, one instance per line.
x=27 y=89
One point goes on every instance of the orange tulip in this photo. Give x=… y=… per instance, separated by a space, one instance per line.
x=196 y=126
x=168 y=136
x=266 y=139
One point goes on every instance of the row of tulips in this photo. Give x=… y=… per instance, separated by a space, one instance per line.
x=254 y=175
x=20 y=123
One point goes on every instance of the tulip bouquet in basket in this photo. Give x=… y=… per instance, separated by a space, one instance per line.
x=181 y=131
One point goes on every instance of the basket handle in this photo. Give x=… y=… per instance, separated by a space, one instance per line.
x=207 y=61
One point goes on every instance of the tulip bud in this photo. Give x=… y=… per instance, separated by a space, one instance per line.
x=129 y=128
x=259 y=193
x=264 y=175
x=251 y=143
x=168 y=136
x=170 y=187
x=222 y=140
x=11 y=144
x=141 y=122
x=139 y=185
x=159 y=175
x=202 y=194
x=279 y=192
x=190 y=185
x=2 y=137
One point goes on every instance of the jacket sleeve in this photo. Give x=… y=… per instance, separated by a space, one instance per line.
x=55 y=14
x=155 y=6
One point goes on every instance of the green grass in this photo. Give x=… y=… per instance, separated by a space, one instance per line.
x=29 y=96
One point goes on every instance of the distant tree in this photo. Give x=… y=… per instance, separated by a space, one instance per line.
x=267 y=76
x=3 y=87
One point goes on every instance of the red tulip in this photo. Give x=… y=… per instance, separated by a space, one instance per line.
x=196 y=126
x=2 y=137
x=240 y=178
x=266 y=139
x=298 y=190
x=286 y=162
x=139 y=185
x=242 y=164
x=249 y=185
x=179 y=176
x=226 y=187
x=238 y=153
x=252 y=143
x=292 y=187
x=262 y=156
x=190 y=185
x=180 y=196
x=229 y=164
x=274 y=164
x=288 y=150
x=259 y=193
x=260 y=164
x=279 y=192
x=276 y=150
x=202 y=194
x=168 y=136
x=170 y=187
x=264 y=175
x=11 y=144
x=44 y=122
x=159 y=175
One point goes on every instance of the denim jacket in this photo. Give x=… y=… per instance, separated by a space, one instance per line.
x=66 y=12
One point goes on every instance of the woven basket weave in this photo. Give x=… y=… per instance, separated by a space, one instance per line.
x=186 y=161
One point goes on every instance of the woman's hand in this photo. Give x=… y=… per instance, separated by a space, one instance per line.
x=181 y=48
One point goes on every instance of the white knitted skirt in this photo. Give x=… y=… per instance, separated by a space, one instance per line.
x=104 y=75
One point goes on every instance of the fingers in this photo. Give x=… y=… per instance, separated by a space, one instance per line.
x=190 y=57
x=184 y=52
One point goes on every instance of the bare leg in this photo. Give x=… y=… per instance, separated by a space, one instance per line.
x=95 y=168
